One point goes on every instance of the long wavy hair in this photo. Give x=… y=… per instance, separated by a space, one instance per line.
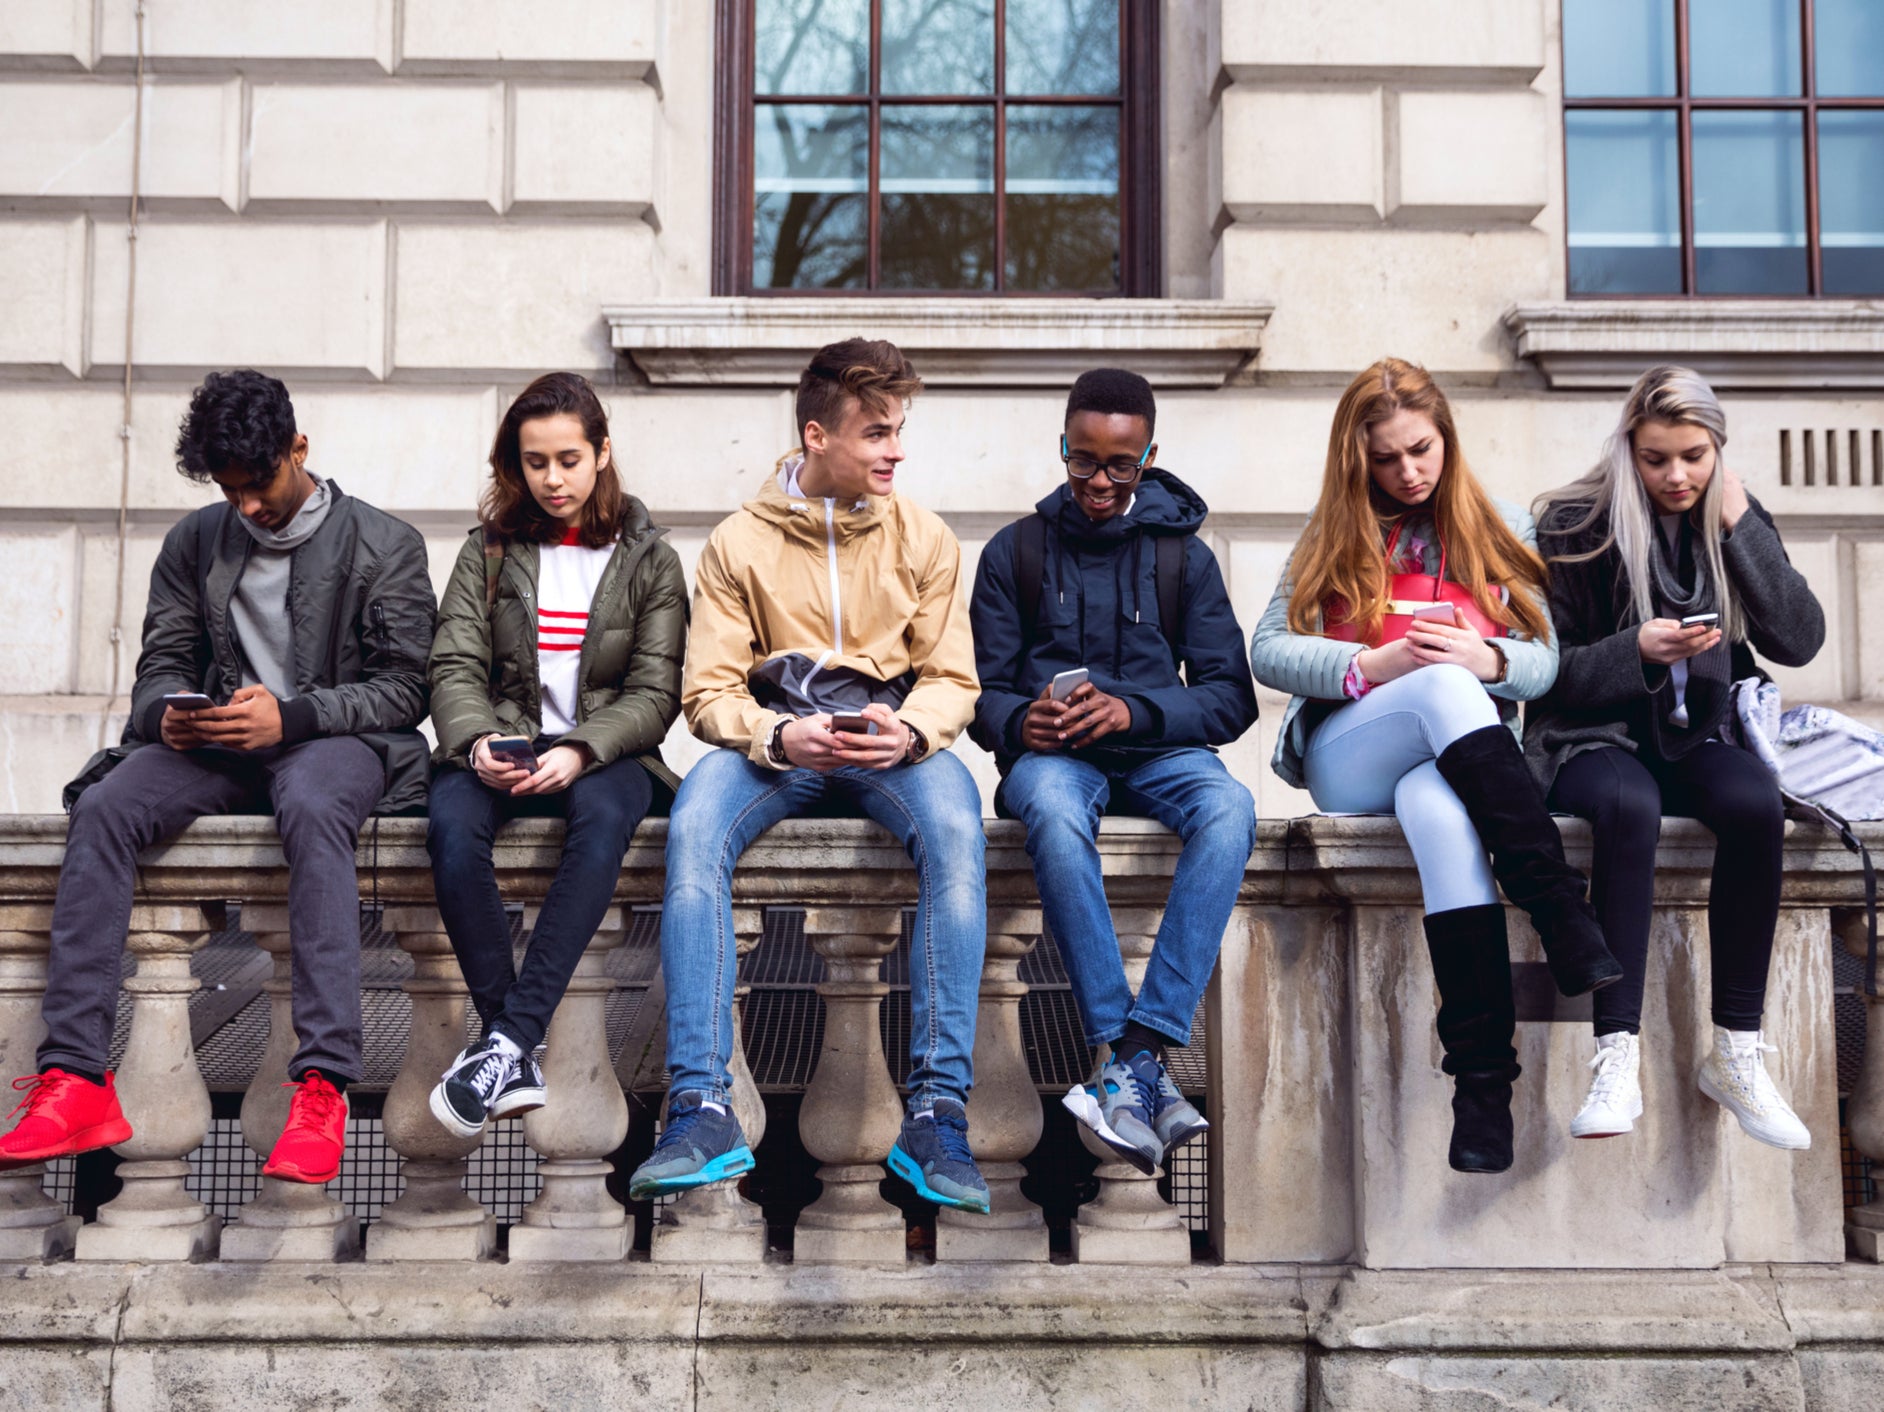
x=1613 y=489
x=509 y=511
x=1340 y=553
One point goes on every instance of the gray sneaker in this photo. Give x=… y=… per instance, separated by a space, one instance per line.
x=1117 y=1106
x=699 y=1145
x=1173 y=1118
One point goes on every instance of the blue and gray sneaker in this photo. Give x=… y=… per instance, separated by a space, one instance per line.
x=1173 y=1118
x=1117 y=1106
x=701 y=1144
x=932 y=1155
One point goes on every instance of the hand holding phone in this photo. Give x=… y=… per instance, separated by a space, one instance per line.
x=1436 y=612
x=515 y=751
x=187 y=701
x=853 y=725
x=1693 y=619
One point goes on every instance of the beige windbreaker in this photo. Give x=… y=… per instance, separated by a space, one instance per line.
x=873 y=586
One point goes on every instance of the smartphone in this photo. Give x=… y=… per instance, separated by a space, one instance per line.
x=1064 y=683
x=1694 y=618
x=1441 y=612
x=854 y=725
x=513 y=750
x=187 y=701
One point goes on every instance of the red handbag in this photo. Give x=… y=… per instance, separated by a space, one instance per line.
x=1406 y=594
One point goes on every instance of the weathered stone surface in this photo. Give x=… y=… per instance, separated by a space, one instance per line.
x=1143 y=1376
x=42 y=296
x=585 y=36
x=1515 y=1383
x=1308 y=155
x=584 y=148
x=205 y=1377
x=73 y=140
x=72 y=1379
x=1472 y=158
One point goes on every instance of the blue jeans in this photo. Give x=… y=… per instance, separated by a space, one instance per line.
x=601 y=810
x=1060 y=800
x=725 y=802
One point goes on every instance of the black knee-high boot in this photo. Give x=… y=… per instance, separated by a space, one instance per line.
x=1487 y=771
x=1477 y=1021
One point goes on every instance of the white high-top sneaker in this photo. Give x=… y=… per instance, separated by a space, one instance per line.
x=1615 y=1100
x=1734 y=1076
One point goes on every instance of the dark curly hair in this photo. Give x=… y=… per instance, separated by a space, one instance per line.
x=1113 y=391
x=237 y=421
x=508 y=509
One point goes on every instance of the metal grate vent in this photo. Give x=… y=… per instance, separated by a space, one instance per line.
x=1847 y=456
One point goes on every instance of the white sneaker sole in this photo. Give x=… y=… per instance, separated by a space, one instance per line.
x=1607 y=1125
x=447 y=1119
x=518 y=1102
x=1083 y=1106
x=1752 y=1127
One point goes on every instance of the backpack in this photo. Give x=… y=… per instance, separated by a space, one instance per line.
x=1830 y=770
x=1030 y=563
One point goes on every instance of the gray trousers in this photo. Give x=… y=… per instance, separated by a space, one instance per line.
x=319 y=791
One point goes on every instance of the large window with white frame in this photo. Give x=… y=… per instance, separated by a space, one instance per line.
x=1724 y=147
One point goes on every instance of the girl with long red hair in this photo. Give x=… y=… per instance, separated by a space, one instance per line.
x=1418 y=715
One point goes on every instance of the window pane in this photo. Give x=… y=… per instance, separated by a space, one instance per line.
x=1744 y=48
x=811 y=196
x=936 y=229
x=1851 y=202
x=1849 y=35
x=1062 y=198
x=1749 y=203
x=1062 y=46
x=1623 y=173
x=811 y=46
x=1618 y=48
x=938 y=46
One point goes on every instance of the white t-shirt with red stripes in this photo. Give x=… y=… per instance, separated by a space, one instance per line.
x=567 y=576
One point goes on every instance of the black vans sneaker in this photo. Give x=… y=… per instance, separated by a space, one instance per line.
x=524 y=1093
x=463 y=1098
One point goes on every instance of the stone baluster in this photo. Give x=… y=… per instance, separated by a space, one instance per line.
x=715 y=1223
x=32 y=1226
x=287 y=1220
x=1004 y=1118
x=584 y=1120
x=164 y=1098
x=851 y=1112
x=1129 y=1223
x=433 y=1219
x=1864 y=1111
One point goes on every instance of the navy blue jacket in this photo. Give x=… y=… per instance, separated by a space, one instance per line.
x=1099 y=610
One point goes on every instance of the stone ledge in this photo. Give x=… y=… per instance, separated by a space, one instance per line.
x=967 y=342
x=1759 y=344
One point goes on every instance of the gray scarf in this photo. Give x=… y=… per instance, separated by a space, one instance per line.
x=1708 y=673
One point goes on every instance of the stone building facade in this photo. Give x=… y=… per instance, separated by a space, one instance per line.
x=407 y=208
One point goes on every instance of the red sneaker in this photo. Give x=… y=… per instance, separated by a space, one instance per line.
x=309 y=1148
x=64 y=1114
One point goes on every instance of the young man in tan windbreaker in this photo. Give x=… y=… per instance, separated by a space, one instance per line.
x=830 y=658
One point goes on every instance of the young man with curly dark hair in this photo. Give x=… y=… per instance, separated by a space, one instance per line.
x=830 y=662
x=299 y=620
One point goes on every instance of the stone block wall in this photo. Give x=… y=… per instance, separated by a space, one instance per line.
x=406 y=210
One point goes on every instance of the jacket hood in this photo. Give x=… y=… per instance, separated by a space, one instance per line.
x=804 y=514
x=1162 y=504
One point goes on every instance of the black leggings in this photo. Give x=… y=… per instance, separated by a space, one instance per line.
x=1624 y=797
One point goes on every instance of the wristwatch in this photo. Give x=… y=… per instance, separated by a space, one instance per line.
x=918 y=744
x=775 y=747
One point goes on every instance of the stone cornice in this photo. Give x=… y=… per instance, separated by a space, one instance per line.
x=1761 y=344
x=954 y=342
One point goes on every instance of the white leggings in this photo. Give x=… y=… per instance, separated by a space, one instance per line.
x=1379 y=754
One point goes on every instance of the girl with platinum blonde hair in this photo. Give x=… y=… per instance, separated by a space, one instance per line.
x=1665 y=577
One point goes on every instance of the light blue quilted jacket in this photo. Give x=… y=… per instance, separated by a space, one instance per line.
x=1313 y=668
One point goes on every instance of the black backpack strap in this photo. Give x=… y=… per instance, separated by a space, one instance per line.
x=1030 y=568
x=1168 y=576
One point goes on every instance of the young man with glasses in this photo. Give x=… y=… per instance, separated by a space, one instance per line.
x=830 y=660
x=1108 y=577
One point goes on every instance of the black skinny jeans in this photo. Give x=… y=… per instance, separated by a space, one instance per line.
x=1624 y=797
x=601 y=811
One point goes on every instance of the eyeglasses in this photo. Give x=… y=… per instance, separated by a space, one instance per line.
x=1085 y=468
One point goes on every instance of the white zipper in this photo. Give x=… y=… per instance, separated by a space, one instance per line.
x=837 y=603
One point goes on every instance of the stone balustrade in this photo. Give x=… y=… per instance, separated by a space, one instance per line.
x=1329 y=1113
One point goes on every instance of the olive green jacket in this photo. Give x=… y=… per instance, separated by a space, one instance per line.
x=483 y=670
